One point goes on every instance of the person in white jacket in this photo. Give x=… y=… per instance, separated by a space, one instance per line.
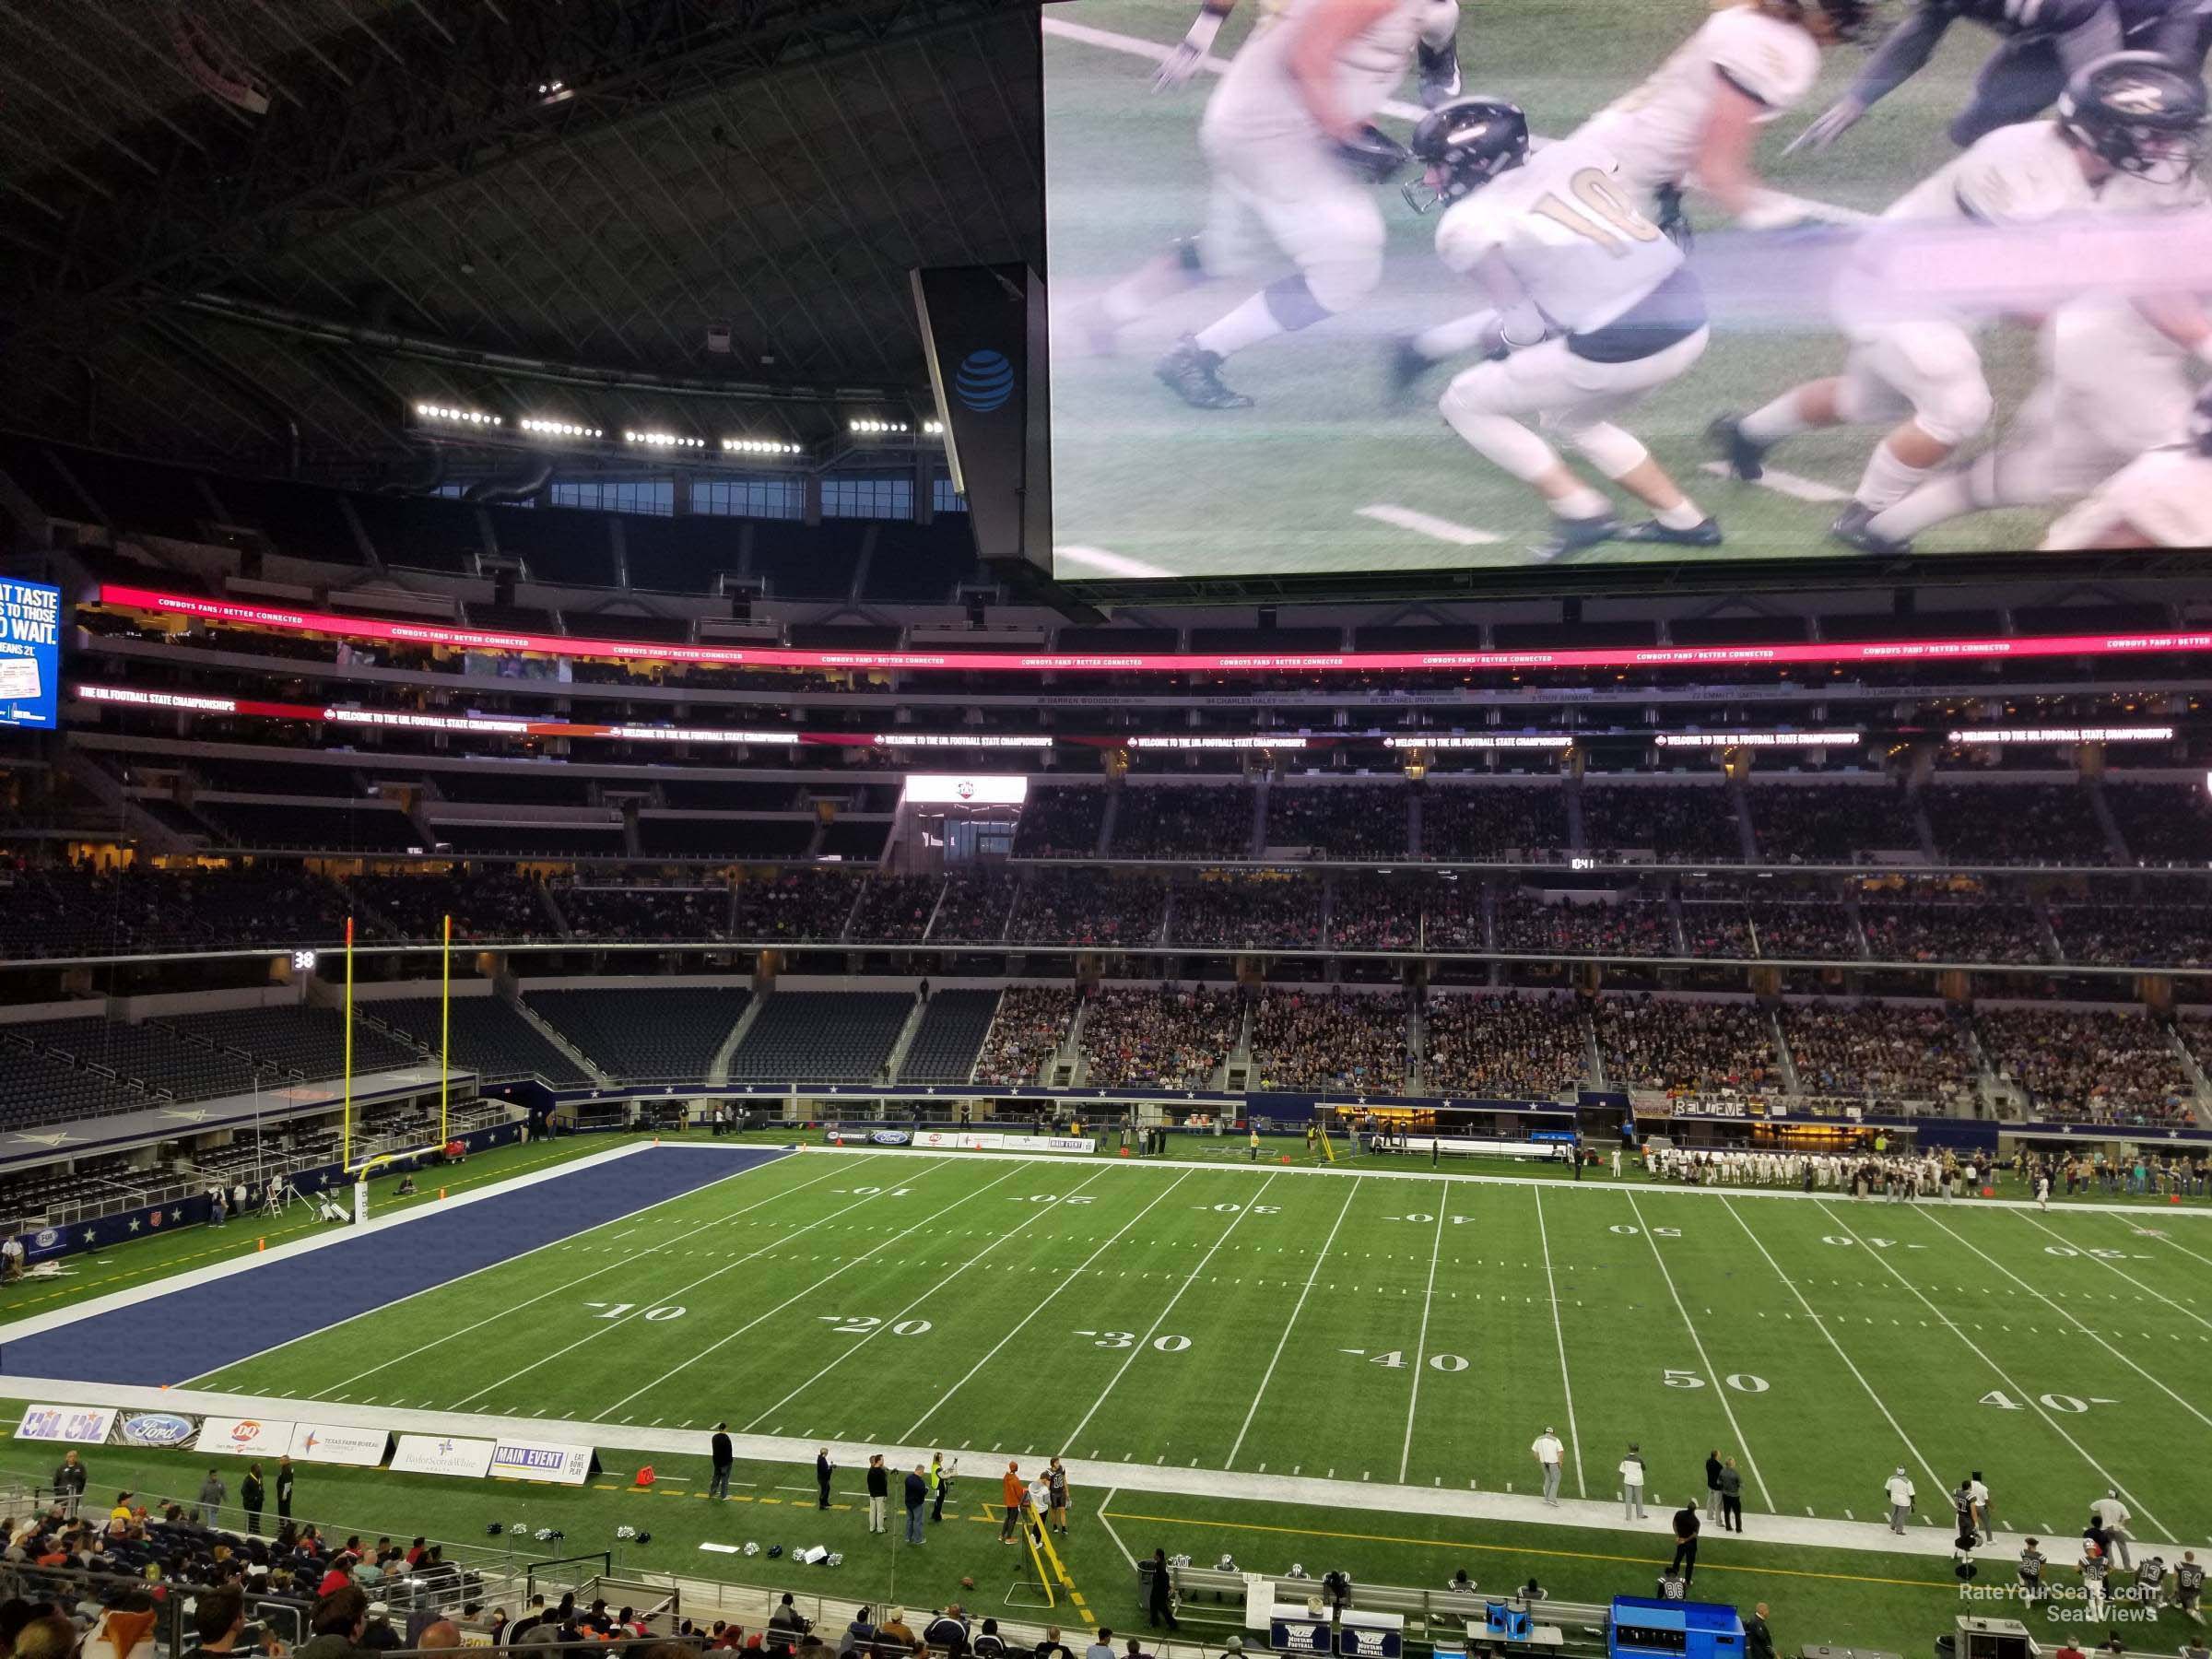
x=1899 y=1489
x=1631 y=1480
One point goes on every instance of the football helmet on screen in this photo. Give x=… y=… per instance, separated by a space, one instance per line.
x=2138 y=112
x=1465 y=145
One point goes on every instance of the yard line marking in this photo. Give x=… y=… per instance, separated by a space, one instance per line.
x=1106 y=1504
x=2182 y=1248
x=1144 y=1341
x=2138 y=1284
x=2109 y=1479
x=1113 y=564
x=1268 y=1375
x=1428 y=525
x=1036 y=1214
x=572 y=1284
x=846 y=1267
x=1794 y=485
x=1420 y=1352
x=1698 y=1342
x=630 y=1318
x=1821 y=1326
x=1574 y=1438
x=1040 y=1307
x=2100 y=1342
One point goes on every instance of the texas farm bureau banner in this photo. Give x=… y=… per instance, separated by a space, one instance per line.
x=339 y=1444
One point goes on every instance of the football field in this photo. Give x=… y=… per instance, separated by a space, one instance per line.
x=1325 y=472
x=1360 y=1327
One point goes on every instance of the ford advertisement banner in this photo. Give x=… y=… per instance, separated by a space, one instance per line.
x=74 y=1425
x=164 y=1428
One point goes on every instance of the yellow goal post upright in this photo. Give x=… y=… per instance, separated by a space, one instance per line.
x=1321 y=1117
x=1043 y=1556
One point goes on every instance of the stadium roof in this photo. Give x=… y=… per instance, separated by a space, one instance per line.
x=241 y=228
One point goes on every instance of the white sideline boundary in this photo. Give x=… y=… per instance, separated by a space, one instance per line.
x=1553 y=1185
x=1430 y=1503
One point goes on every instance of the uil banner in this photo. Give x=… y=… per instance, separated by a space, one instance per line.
x=73 y=1425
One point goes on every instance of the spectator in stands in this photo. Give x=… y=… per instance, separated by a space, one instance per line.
x=339 y=1618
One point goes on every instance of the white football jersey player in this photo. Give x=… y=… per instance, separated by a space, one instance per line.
x=1658 y=127
x=1260 y=100
x=2162 y=499
x=1568 y=228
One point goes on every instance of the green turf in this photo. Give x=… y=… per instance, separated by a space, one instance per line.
x=1277 y=487
x=1132 y=1314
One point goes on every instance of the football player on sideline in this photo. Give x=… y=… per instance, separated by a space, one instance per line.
x=2117 y=382
x=2163 y=499
x=1593 y=308
x=2046 y=43
x=1697 y=119
x=1439 y=64
x=2133 y=112
x=1294 y=159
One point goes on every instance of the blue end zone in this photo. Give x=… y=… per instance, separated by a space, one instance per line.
x=190 y=1332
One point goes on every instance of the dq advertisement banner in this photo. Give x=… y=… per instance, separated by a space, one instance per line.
x=155 y=1428
x=244 y=1436
x=31 y=652
x=540 y=1460
x=337 y=1444
x=442 y=1454
x=76 y=1425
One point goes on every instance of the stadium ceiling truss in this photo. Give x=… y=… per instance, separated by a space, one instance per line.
x=251 y=230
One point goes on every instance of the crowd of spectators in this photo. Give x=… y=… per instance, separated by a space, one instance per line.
x=1183 y=820
x=1061 y=821
x=2162 y=823
x=794 y=906
x=1987 y=927
x=1330 y=1040
x=1268 y=909
x=2015 y=823
x=1882 y=1052
x=975 y=905
x=1378 y=912
x=1504 y=1047
x=1483 y=821
x=486 y=905
x=1702 y=1047
x=896 y=910
x=1027 y=1031
x=2099 y=1065
x=1161 y=1036
x=1339 y=820
x=1630 y=925
x=636 y=914
x=2135 y=935
x=1100 y=908
x=1830 y=823
x=1793 y=929
x=1675 y=822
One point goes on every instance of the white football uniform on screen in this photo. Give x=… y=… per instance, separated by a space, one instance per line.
x=2166 y=494
x=1657 y=127
x=1573 y=236
x=1584 y=254
x=1277 y=183
x=1929 y=364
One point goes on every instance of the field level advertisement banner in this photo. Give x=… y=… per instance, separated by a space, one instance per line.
x=155 y=1428
x=1317 y=308
x=339 y=1444
x=73 y=1425
x=547 y=1461
x=442 y=1454
x=244 y=1436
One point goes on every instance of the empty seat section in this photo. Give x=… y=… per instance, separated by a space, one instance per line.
x=657 y=1036
x=821 y=1037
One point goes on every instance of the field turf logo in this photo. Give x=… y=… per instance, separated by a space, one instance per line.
x=984 y=381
